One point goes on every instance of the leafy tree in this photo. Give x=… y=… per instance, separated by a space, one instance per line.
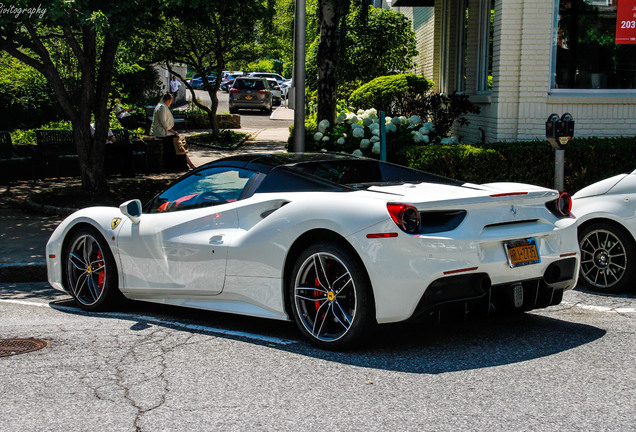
x=29 y=100
x=74 y=44
x=384 y=45
x=370 y=42
x=207 y=36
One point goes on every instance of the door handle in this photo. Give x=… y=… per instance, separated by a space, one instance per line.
x=217 y=239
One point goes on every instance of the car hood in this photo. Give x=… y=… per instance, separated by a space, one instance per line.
x=599 y=188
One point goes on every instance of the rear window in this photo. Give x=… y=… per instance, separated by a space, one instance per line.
x=249 y=84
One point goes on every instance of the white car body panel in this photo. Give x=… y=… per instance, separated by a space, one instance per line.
x=231 y=257
x=612 y=199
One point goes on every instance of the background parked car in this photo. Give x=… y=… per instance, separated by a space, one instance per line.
x=197 y=83
x=250 y=93
x=275 y=89
x=606 y=214
x=284 y=88
x=228 y=81
x=279 y=78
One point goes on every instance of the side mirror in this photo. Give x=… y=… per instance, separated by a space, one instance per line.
x=132 y=209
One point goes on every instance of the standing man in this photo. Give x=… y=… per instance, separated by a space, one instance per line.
x=174 y=87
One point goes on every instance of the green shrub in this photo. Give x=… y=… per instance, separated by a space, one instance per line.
x=444 y=110
x=587 y=160
x=310 y=129
x=394 y=94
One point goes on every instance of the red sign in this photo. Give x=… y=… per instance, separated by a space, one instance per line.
x=626 y=22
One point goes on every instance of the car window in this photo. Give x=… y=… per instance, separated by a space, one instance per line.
x=249 y=84
x=208 y=187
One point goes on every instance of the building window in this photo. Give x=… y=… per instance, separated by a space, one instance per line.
x=485 y=47
x=585 y=52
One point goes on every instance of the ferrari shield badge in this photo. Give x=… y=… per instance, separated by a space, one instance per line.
x=115 y=223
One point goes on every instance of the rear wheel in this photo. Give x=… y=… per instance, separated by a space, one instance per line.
x=608 y=257
x=91 y=275
x=331 y=297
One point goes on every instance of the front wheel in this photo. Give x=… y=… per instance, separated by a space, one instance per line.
x=608 y=257
x=331 y=297
x=91 y=275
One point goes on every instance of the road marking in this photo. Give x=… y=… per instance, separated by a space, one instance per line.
x=601 y=308
x=156 y=321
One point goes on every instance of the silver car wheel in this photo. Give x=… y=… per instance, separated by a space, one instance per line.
x=603 y=259
x=325 y=297
x=86 y=269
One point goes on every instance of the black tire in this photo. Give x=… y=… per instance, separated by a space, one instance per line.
x=331 y=297
x=608 y=257
x=90 y=271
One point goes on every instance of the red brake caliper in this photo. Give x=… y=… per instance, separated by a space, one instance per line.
x=317 y=293
x=101 y=277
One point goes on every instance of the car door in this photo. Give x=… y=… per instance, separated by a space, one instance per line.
x=179 y=246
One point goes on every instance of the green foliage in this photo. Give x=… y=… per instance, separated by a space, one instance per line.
x=393 y=94
x=28 y=98
x=27 y=136
x=587 y=160
x=444 y=110
x=384 y=46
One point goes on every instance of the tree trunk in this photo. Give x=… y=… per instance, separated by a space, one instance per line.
x=329 y=17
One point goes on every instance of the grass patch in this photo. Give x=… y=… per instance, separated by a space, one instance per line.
x=225 y=139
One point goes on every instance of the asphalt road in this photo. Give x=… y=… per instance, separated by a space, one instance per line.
x=250 y=119
x=150 y=367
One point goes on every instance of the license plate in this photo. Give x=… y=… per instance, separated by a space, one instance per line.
x=248 y=97
x=522 y=252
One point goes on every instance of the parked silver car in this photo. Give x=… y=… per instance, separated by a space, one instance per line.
x=250 y=93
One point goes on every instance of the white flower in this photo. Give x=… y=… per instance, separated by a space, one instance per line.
x=357 y=152
x=372 y=114
x=367 y=121
x=375 y=132
x=318 y=136
x=352 y=118
x=374 y=126
x=376 y=148
x=450 y=140
x=340 y=141
x=323 y=150
x=325 y=138
x=396 y=121
x=358 y=133
x=417 y=137
x=387 y=120
x=323 y=125
x=424 y=130
x=430 y=126
x=356 y=126
x=360 y=112
x=391 y=127
x=374 y=139
x=414 y=120
x=426 y=139
x=341 y=118
x=365 y=143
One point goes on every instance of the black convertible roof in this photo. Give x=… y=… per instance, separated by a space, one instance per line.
x=265 y=162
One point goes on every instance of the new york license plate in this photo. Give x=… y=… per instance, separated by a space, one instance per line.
x=522 y=252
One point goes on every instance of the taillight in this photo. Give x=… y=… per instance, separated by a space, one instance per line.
x=562 y=206
x=405 y=216
x=233 y=90
x=264 y=91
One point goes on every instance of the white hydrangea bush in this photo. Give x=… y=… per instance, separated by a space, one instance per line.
x=358 y=133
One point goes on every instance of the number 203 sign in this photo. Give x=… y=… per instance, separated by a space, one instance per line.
x=626 y=22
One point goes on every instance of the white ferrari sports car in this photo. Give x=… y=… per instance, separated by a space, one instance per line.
x=335 y=243
x=606 y=214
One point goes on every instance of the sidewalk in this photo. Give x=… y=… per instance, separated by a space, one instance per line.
x=24 y=232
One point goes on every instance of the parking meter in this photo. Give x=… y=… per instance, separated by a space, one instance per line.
x=559 y=131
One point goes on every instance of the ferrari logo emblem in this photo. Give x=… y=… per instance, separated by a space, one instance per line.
x=115 y=223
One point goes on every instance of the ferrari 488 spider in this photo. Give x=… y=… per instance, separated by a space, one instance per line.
x=335 y=243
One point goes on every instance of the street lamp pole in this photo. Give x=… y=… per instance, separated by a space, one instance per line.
x=300 y=23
